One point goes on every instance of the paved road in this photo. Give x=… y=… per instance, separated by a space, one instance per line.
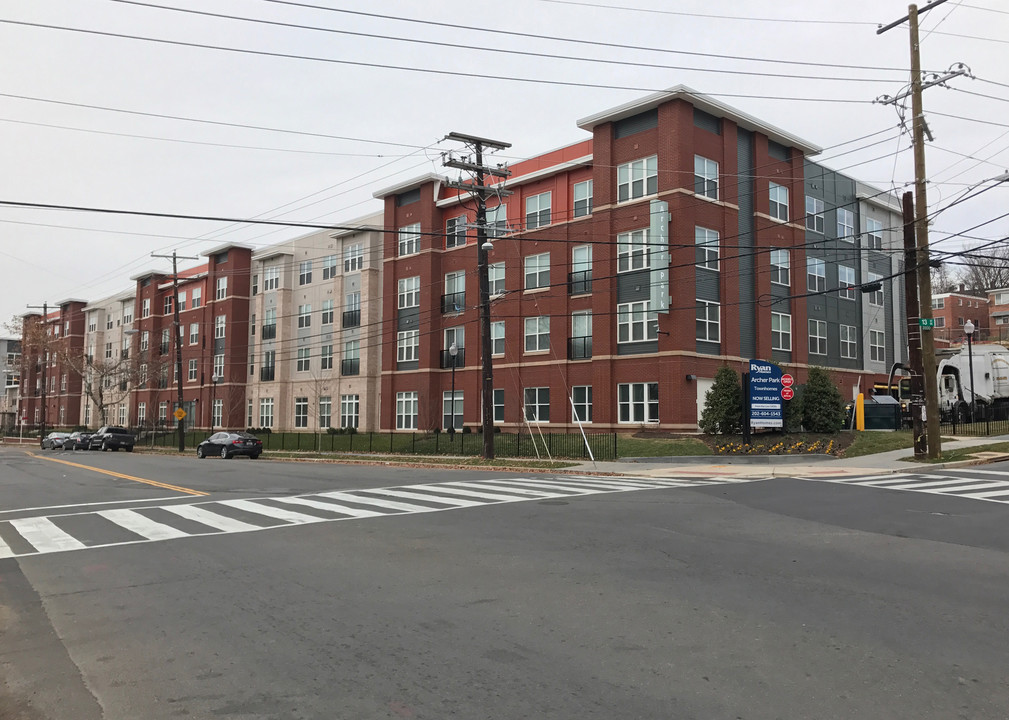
x=405 y=593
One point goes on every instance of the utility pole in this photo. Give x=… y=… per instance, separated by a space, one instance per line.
x=178 y=344
x=919 y=128
x=44 y=361
x=480 y=193
x=914 y=330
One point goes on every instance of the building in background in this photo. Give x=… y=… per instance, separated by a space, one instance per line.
x=47 y=375
x=108 y=365
x=10 y=382
x=998 y=314
x=952 y=310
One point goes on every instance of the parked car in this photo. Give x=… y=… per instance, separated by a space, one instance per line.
x=228 y=444
x=54 y=440
x=77 y=441
x=112 y=438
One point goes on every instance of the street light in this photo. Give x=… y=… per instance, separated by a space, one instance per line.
x=214 y=379
x=968 y=330
x=453 y=351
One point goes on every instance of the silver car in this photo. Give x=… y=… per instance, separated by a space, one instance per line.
x=54 y=440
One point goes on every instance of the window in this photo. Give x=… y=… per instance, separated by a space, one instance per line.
x=873 y=234
x=329 y=267
x=353 y=257
x=165 y=339
x=1001 y=298
x=220 y=322
x=325 y=411
x=141 y=413
x=454 y=299
x=350 y=410
x=845 y=225
x=705 y=177
x=455 y=232
x=194 y=369
x=108 y=351
x=268 y=370
x=142 y=375
x=707 y=248
x=817 y=337
x=537 y=271
x=304 y=362
x=271 y=278
x=216 y=412
x=409 y=292
x=351 y=363
x=304 y=316
x=496 y=272
x=537 y=334
x=266 y=412
x=583 y=198
x=816 y=275
x=197 y=297
x=182 y=301
x=580 y=279
x=536 y=402
x=876 y=296
x=249 y=416
x=326 y=357
x=635 y=323
x=127 y=314
x=497 y=337
x=145 y=308
x=219 y=366
x=455 y=335
x=63 y=383
x=632 y=251
x=162 y=412
x=538 y=211
x=499 y=405
x=408 y=346
x=779 y=267
x=581 y=403
x=255 y=291
x=781 y=331
x=222 y=287
x=814 y=214
x=305 y=272
x=638 y=403
x=846 y=281
x=638 y=179
x=452 y=409
x=406 y=411
x=301 y=412
x=707 y=321
x=849 y=345
x=580 y=344
x=939 y=303
x=877 y=346
x=92 y=322
x=270 y=324
x=940 y=322
x=327 y=312
x=409 y=239
x=778 y=208
x=352 y=309
x=959 y=322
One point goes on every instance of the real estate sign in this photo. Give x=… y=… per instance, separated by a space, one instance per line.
x=765 y=395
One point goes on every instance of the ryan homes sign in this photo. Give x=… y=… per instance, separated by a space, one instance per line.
x=764 y=396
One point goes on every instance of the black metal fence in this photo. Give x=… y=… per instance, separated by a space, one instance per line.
x=986 y=421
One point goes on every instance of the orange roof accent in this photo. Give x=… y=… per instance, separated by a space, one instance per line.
x=535 y=164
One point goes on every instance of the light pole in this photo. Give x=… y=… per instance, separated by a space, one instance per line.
x=214 y=379
x=453 y=352
x=968 y=330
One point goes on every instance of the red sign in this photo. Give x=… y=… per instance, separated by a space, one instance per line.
x=787 y=393
x=787 y=381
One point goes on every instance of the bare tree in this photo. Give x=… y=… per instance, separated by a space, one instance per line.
x=944 y=279
x=107 y=382
x=985 y=269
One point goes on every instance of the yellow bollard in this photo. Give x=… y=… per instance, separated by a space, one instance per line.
x=860 y=412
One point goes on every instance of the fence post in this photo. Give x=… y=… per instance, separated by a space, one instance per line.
x=390 y=441
x=413 y=443
x=437 y=439
x=371 y=441
x=615 y=456
x=518 y=443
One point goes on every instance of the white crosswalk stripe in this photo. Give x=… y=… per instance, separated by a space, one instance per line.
x=27 y=536
x=971 y=483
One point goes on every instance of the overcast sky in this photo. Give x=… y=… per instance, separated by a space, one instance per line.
x=340 y=130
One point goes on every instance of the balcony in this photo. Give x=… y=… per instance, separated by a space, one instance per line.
x=352 y=318
x=164 y=348
x=453 y=303
x=269 y=331
x=267 y=373
x=580 y=283
x=350 y=366
x=580 y=348
x=446 y=359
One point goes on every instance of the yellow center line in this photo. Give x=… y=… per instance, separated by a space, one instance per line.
x=155 y=483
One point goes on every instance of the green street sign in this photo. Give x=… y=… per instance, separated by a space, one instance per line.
x=926 y=322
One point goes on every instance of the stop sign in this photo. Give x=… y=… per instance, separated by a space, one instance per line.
x=787 y=381
x=787 y=393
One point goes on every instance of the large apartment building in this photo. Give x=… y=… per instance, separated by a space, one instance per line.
x=10 y=382
x=602 y=314
x=48 y=377
x=315 y=331
x=108 y=377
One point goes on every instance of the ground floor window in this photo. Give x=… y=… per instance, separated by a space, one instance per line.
x=499 y=404
x=301 y=412
x=406 y=410
x=537 y=404
x=638 y=402
x=141 y=414
x=325 y=411
x=266 y=412
x=350 y=411
x=217 y=412
x=581 y=403
x=452 y=410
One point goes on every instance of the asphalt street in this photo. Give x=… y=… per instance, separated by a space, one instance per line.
x=146 y=586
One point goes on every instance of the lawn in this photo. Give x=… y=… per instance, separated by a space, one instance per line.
x=962 y=453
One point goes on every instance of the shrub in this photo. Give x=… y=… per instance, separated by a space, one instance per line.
x=723 y=404
x=822 y=406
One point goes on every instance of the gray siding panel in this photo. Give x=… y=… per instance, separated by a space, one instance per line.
x=638 y=348
x=707 y=121
x=634 y=286
x=636 y=123
x=408 y=319
x=747 y=307
x=707 y=284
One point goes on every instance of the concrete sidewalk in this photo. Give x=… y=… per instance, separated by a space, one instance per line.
x=767 y=466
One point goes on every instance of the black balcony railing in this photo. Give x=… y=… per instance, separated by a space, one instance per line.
x=580 y=283
x=164 y=348
x=350 y=366
x=453 y=302
x=352 y=318
x=126 y=354
x=460 y=358
x=123 y=385
x=267 y=373
x=580 y=348
x=269 y=331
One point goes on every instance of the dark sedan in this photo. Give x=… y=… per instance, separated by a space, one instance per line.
x=77 y=441
x=228 y=444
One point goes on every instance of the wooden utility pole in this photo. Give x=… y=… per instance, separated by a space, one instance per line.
x=914 y=330
x=43 y=348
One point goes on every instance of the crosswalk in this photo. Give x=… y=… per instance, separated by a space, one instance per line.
x=56 y=533
x=976 y=484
